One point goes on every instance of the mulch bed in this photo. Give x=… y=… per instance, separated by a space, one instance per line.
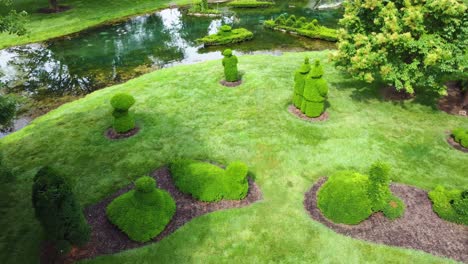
x=390 y=93
x=297 y=112
x=452 y=103
x=230 y=84
x=112 y=134
x=456 y=145
x=420 y=228
x=108 y=239
x=47 y=10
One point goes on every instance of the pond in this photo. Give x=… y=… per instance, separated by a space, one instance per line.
x=110 y=54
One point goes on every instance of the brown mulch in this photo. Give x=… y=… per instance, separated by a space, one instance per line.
x=297 y=112
x=390 y=93
x=47 y=10
x=108 y=239
x=455 y=144
x=420 y=228
x=452 y=103
x=112 y=134
x=230 y=84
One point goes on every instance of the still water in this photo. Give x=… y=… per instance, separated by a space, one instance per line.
x=110 y=54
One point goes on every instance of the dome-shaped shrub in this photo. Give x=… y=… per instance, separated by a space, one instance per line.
x=225 y=28
x=461 y=136
x=122 y=101
x=123 y=120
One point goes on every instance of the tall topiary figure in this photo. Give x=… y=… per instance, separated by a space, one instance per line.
x=299 y=82
x=379 y=189
x=58 y=211
x=230 y=66
x=315 y=92
x=123 y=120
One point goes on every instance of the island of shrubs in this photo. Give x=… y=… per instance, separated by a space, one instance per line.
x=202 y=9
x=349 y=197
x=210 y=183
x=144 y=212
x=226 y=35
x=451 y=205
x=250 y=4
x=460 y=135
x=310 y=29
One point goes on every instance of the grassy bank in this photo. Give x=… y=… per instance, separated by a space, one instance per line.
x=184 y=112
x=84 y=14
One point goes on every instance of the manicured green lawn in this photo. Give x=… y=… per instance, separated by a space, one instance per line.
x=84 y=14
x=184 y=112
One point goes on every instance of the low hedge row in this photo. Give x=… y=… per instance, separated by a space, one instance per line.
x=250 y=4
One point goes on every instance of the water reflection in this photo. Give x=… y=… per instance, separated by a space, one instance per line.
x=112 y=54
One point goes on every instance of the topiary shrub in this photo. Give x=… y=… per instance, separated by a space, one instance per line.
x=281 y=19
x=123 y=120
x=343 y=198
x=450 y=205
x=315 y=92
x=299 y=83
x=226 y=35
x=58 y=211
x=249 y=4
x=302 y=27
x=379 y=186
x=7 y=110
x=210 y=183
x=393 y=208
x=460 y=135
x=229 y=62
x=144 y=212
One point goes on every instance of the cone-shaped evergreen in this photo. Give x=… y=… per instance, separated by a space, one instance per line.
x=299 y=82
x=315 y=92
x=230 y=66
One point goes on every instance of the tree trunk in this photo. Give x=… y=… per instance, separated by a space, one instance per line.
x=465 y=100
x=53 y=4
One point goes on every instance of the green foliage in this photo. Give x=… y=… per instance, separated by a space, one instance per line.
x=249 y=4
x=343 y=198
x=299 y=83
x=461 y=136
x=407 y=44
x=123 y=120
x=58 y=211
x=210 y=183
x=226 y=37
x=450 y=205
x=393 y=208
x=144 y=212
x=203 y=8
x=7 y=110
x=229 y=62
x=379 y=190
x=315 y=92
x=301 y=27
x=13 y=22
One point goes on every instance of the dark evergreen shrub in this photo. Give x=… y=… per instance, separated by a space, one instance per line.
x=231 y=73
x=123 y=120
x=58 y=211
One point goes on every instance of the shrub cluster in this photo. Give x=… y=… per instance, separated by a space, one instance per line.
x=349 y=197
x=144 y=212
x=209 y=183
x=461 y=136
x=226 y=35
x=250 y=4
x=7 y=110
x=58 y=211
x=301 y=26
x=123 y=120
x=203 y=8
x=229 y=62
x=451 y=205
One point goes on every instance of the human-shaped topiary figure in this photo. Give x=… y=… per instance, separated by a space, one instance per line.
x=230 y=66
x=379 y=185
x=123 y=120
x=315 y=92
x=299 y=82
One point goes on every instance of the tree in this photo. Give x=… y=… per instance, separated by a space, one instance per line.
x=58 y=211
x=7 y=111
x=12 y=22
x=407 y=44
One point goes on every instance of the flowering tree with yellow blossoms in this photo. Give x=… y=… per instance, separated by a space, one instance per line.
x=408 y=44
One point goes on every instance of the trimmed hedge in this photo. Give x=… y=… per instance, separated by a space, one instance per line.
x=144 y=212
x=226 y=35
x=309 y=29
x=349 y=197
x=250 y=4
x=58 y=211
x=461 y=136
x=451 y=205
x=210 y=183
x=123 y=120
x=229 y=62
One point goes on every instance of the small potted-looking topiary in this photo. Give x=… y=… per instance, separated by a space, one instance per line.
x=144 y=212
x=231 y=73
x=124 y=122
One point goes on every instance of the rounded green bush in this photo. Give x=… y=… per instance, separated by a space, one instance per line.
x=449 y=204
x=225 y=28
x=343 y=198
x=461 y=136
x=122 y=101
x=142 y=213
x=210 y=183
x=393 y=208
